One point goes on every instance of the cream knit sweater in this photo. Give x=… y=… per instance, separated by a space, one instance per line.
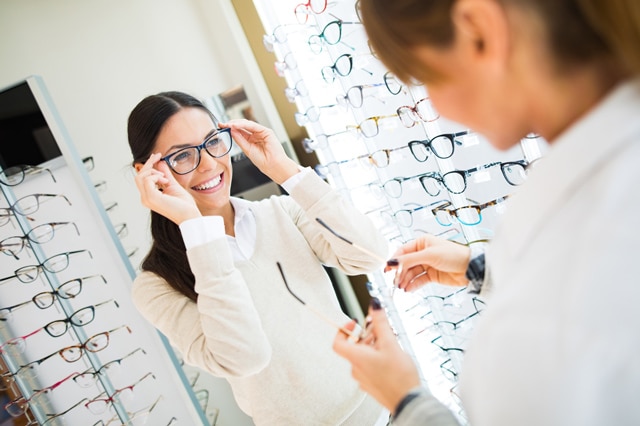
x=275 y=353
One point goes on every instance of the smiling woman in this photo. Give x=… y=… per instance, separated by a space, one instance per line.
x=210 y=281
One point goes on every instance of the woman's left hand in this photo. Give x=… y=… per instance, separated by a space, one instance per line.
x=263 y=148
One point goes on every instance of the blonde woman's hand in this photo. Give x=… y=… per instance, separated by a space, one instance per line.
x=263 y=148
x=379 y=364
x=160 y=192
x=430 y=259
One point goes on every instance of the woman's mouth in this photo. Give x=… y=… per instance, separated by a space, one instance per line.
x=209 y=184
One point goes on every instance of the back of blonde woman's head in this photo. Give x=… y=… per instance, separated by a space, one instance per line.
x=578 y=31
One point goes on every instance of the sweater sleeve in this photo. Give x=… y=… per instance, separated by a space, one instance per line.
x=424 y=409
x=221 y=333
x=314 y=198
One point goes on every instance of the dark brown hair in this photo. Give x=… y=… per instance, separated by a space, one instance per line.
x=167 y=256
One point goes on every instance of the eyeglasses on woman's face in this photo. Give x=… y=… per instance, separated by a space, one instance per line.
x=186 y=160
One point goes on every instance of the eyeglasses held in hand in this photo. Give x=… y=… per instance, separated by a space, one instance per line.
x=186 y=160
x=349 y=333
x=15 y=175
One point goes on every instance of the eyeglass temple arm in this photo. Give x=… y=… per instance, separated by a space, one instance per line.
x=349 y=333
x=362 y=249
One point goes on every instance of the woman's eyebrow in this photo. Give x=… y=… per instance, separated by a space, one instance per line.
x=186 y=145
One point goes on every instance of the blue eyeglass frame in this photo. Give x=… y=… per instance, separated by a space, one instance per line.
x=200 y=147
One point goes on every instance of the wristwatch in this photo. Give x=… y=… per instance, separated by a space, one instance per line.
x=475 y=270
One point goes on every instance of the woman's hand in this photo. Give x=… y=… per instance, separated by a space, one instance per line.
x=160 y=192
x=430 y=259
x=263 y=148
x=382 y=368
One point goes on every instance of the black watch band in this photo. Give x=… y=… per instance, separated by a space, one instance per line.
x=475 y=273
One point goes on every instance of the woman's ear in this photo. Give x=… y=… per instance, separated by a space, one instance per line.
x=482 y=27
x=138 y=166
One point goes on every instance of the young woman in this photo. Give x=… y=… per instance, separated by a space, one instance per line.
x=557 y=343
x=211 y=281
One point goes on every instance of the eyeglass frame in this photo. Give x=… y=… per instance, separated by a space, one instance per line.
x=42 y=266
x=477 y=207
x=427 y=143
x=24 y=170
x=5 y=212
x=376 y=119
x=28 y=237
x=322 y=37
x=70 y=319
x=199 y=148
x=99 y=372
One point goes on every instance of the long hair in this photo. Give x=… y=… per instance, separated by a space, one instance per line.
x=167 y=256
x=578 y=31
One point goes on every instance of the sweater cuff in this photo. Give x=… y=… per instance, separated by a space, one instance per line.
x=410 y=396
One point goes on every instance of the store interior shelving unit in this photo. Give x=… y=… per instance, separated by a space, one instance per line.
x=74 y=348
x=360 y=121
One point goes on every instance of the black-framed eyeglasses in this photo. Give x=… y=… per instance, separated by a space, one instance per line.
x=79 y=318
x=53 y=264
x=41 y=234
x=66 y=290
x=342 y=66
x=442 y=146
x=186 y=160
x=51 y=416
x=15 y=175
x=391 y=83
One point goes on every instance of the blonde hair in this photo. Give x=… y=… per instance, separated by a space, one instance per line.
x=578 y=31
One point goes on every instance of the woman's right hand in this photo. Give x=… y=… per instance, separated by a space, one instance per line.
x=430 y=259
x=160 y=192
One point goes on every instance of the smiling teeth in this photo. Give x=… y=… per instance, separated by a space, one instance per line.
x=209 y=184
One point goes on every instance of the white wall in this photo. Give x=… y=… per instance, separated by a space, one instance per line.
x=98 y=58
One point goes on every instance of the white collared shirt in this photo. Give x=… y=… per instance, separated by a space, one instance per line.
x=203 y=229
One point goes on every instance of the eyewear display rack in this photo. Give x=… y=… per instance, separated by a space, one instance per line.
x=385 y=147
x=74 y=349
